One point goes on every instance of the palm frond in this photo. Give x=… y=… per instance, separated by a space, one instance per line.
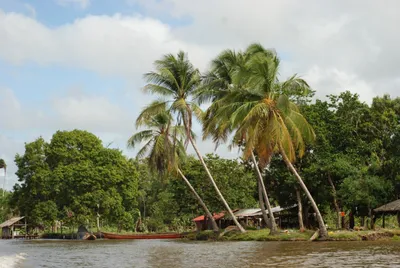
x=150 y=111
x=140 y=137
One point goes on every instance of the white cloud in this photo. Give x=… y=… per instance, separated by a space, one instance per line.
x=118 y=45
x=92 y=112
x=80 y=3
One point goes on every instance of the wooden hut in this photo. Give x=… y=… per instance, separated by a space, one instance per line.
x=249 y=217
x=203 y=223
x=12 y=227
x=392 y=208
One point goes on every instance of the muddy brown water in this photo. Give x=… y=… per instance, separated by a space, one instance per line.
x=174 y=253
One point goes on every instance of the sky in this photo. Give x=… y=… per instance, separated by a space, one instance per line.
x=78 y=64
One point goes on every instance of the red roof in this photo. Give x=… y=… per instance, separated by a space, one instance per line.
x=215 y=216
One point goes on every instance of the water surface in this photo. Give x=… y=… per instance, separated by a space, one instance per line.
x=174 y=253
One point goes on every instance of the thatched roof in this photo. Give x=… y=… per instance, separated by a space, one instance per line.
x=11 y=222
x=390 y=207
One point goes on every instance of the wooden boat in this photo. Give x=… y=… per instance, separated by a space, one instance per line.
x=142 y=236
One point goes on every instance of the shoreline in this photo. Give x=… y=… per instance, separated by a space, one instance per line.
x=295 y=235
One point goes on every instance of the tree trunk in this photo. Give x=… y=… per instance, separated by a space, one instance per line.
x=209 y=215
x=261 y=202
x=322 y=228
x=300 y=209
x=351 y=220
x=216 y=187
x=335 y=203
x=274 y=229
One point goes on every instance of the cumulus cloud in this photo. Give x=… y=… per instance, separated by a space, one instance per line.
x=117 y=45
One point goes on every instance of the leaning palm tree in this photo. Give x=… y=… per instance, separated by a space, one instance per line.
x=256 y=108
x=164 y=150
x=4 y=166
x=217 y=83
x=175 y=81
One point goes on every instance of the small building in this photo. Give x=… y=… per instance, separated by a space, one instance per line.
x=12 y=227
x=249 y=217
x=392 y=208
x=203 y=223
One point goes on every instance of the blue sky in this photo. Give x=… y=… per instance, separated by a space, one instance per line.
x=68 y=64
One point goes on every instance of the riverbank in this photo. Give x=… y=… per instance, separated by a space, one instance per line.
x=295 y=235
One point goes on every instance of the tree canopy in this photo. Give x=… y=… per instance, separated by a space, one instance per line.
x=73 y=177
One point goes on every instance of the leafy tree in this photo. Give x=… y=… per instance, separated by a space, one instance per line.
x=77 y=174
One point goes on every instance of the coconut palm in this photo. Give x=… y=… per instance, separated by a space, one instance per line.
x=164 y=151
x=175 y=81
x=4 y=166
x=264 y=120
x=217 y=83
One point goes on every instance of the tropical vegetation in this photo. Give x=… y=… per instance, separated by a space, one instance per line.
x=328 y=156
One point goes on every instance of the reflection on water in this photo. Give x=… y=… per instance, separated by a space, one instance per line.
x=163 y=253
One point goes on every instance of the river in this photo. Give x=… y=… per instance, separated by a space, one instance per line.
x=164 y=253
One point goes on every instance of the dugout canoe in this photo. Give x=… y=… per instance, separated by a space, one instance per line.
x=142 y=236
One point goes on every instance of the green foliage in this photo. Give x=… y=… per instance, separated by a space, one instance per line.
x=44 y=213
x=237 y=184
x=365 y=192
x=167 y=204
x=5 y=209
x=72 y=178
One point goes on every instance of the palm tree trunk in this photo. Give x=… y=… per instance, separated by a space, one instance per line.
x=274 y=229
x=322 y=228
x=300 y=209
x=216 y=187
x=209 y=215
x=335 y=203
x=261 y=202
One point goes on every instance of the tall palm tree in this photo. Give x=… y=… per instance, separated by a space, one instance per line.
x=218 y=83
x=257 y=108
x=164 y=150
x=175 y=80
x=4 y=166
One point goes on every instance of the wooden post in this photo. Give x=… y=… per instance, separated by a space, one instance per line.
x=383 y=220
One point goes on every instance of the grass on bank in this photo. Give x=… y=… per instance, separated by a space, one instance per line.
x=295 y=235
x=252 y=235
